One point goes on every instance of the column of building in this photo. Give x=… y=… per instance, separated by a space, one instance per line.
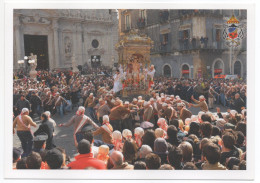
x=18 y=55
x=55 y=27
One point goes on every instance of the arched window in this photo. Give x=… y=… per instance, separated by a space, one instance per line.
x=167 y=71
x=185 y=71
x=218 y=68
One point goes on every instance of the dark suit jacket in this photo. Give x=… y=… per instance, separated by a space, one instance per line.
x=46 y=127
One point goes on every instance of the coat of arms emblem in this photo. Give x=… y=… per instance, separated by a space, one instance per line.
x=233 y=32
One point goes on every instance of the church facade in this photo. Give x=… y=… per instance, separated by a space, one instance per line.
x=57 y=36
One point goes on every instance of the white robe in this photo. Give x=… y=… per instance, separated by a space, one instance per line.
x=117 y=81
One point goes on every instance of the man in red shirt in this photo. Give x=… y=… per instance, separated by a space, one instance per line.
x=85 y=158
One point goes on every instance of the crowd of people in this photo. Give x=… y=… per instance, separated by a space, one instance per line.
x=156 y=131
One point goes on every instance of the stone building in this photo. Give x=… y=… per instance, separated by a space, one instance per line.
x=188 y=43
x=56 y=35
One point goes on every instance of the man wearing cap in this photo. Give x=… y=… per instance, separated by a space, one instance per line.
x=78 y=121
x=23 y=124
x=201 y=103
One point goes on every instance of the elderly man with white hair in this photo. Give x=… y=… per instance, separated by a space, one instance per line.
x=23 y=123
x=117 y=160
x=105 y=130
x=48 y=113
x=79 y=121
x=201 y=103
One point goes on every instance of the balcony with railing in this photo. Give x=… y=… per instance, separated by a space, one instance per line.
x=187 y=44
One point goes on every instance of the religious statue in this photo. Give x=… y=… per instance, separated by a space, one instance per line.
x=33 y=65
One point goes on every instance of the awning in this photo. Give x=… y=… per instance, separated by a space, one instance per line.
x=185 y=71
x=217 y=70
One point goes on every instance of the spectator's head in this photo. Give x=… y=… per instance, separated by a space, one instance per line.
x=117 y=158
x=25 y=111
x=201 y=98
x=127 y=134
x=241 y=127
x=187 y=151
x=216 y=131
x=88 y=136
x=21 y=164
x=175 y=157
x=81 y=110
x=240 y=138
x=212 y=153
x=228 y=140
x=189 y=166
x=34 y=161
x=54 y=159
x=166 y=167
x=194 y=128
x=172 y=132
x=48 y=113
x=105 y=119
x=63 y=152
x=160 y=146
x=237 y=96
x=149 y=138
x=206 y=129
x=159 y=133
x=221 y=123
x=16 y=154
x=152 y=161
x=175 y=122
x=44 y=117
x=205 y=117
x=144 y=150
x=139 y=165
x=129 y=150
x=84 y=147
x=231 y=162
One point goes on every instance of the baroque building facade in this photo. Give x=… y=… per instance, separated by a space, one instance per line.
x=188 y=43
x=57 y=36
